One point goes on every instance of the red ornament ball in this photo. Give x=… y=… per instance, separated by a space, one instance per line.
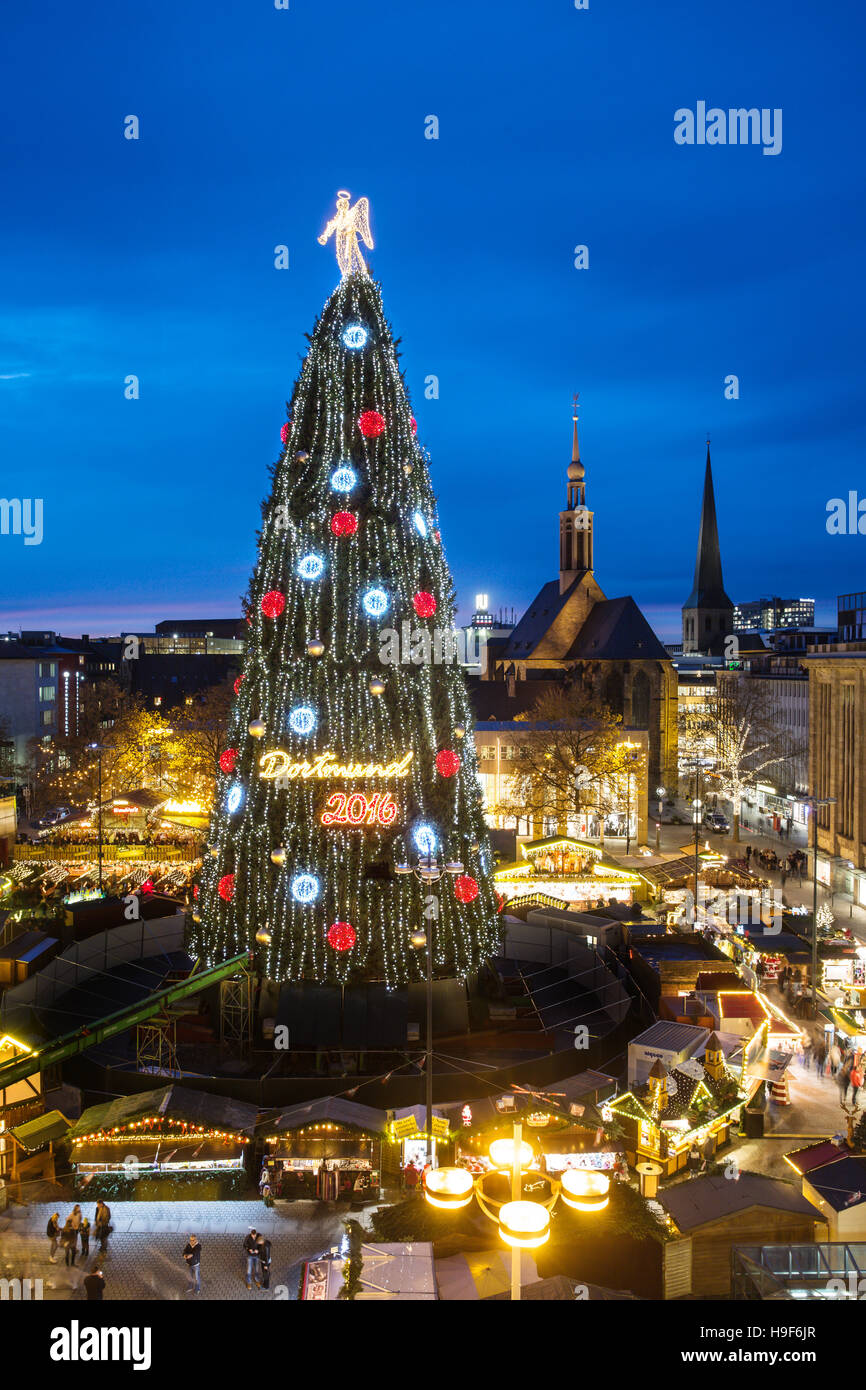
x=414 y=425
x=447 y=763
x=273 y=604
x=500 y=900
x=425 y=604
x=195 y=892
x=226 y=887
x=465 y=888
x=341 y=935
x=344 y=523
x=284 y=432
x=229 y=758
x=238 y=683
x=371 y=424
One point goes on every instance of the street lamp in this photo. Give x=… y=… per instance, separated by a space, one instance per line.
x=429 y=870
x=813 y=802
x=660 y=793
x=523 y=1224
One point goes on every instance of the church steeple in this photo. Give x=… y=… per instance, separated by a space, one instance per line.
x=575 y=523
x=708 y=614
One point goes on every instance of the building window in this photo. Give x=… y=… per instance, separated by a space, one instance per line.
x=47 y=717
x=47 y=693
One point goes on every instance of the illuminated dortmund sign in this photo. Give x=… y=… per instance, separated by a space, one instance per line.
x=277 y=764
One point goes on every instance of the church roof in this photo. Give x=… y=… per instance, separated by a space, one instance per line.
x=708 y=590
x=616 y=630
x=539 y=617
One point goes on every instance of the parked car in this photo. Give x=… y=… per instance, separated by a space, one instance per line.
x=714 y=820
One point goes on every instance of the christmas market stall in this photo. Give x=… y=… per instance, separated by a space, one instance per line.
x=330 y=1149
x=163 y=1140
x=564 y=872
x=695 y=1102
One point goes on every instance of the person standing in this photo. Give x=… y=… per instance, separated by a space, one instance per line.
x=251 y=1250
x=69 y=1241
x=192 y=1255
x=694 y=1160
x=264 y=1247
x=53 y=1234
x=748 y=855
x=101 y=1223
x=855 y=1078
x=94 y=1286
x=410 y=1176
x=84 y=1233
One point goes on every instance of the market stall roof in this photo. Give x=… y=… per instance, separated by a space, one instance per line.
x=477 y=1274
x=328 y=1109
x=170 y=1103
x=841 y=1184
x=701 y=1200
x=815 y=1155
x=559 y=1288
x=35 y=1134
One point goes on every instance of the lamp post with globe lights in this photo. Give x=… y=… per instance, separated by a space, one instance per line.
x=523 y=1224
x=429 y=868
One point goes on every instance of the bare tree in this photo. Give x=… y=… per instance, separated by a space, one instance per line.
x=746 y=738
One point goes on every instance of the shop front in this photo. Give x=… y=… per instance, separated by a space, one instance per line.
x=568 y=873
x=329 y=1151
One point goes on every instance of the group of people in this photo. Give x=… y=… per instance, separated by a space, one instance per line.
x=787 y=865
x=77 y=1228
x=257 y=1255
x=844 y=1066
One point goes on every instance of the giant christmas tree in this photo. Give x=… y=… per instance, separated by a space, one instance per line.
x=350 y=752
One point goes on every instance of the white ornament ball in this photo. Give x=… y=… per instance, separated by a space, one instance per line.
x=258 y=728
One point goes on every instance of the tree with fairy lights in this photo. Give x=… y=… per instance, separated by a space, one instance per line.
x=349 y=752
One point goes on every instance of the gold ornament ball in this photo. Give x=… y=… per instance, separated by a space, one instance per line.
x=316 y=647
x=278 y=856
x=459 y=731
x=418 y=940
x=407 y=469
x=263 y=936
x=257 y=728
x=377 y=686
x=196 y=917
x=214 y=852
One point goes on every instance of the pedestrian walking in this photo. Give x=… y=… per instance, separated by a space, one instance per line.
x=69 y=1241
x=410 y=1177
x=835 y=1059
x=264 y=1246
x=784 y=875
x=53 y=1234
x=748 y=855
x=192 y=1255
x=94 y=1286
x=856 y=1079
x=251 y=1251
x=820 y=1058
x=807 y=1054
x=84 y=1236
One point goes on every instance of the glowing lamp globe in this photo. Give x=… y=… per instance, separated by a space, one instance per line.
x=376 y=603
x=376 y=686
x=257 y=728
x=303 y=720
x=449 y=1188
x=525 y=1225
x=447 y=763
x=355 y=336
x=273 y=604
x=344 y=478
x=238 y=683
x=424 y=604
x=263 y=937
x=226 y=887
x=371 y=424
x=585 y=1189
x=305 y=888
x=310 y=566
x=341 y=936
x=465 y=888
x=228 y=759
x=316 y=647
x=344 y=523
x=502 y=1153
x=278 y=855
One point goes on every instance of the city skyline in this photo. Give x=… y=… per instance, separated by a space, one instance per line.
x=158 y=261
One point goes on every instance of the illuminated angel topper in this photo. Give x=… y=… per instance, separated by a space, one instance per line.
x=346 y=226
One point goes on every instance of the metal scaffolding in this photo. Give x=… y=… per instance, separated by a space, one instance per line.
x=156 y=1045
x=236 y=1014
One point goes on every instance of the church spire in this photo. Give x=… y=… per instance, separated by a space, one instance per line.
x=707 y=611
x=575 y=522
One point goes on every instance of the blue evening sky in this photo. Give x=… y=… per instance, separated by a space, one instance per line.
x=155 y=258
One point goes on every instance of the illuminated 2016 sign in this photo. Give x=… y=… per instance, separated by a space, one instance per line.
x=353 y=808
x=277 y=764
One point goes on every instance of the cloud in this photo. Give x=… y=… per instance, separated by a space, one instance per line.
x=12 y=376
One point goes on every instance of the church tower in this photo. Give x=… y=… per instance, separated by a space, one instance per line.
x=575 y=523
x=708 y=614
